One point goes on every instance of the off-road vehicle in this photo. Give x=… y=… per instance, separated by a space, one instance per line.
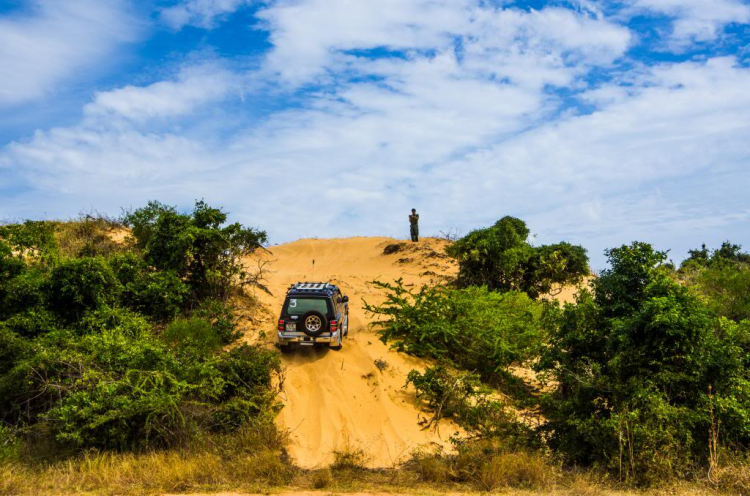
x=313 y=312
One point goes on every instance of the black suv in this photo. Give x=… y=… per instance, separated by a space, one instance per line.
x=313 y=312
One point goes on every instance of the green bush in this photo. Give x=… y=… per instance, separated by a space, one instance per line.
x=159 y=294
x=221 y=317
x=725 y=288
x=462 y=397
x=472 y=328
x=197 y=247
x=9 y=443
x=26 y=291
x=83 y=284
x=126 y=352
x=633 y=364
x=32 y=322
x=193 y=334
x=501 y=258
x=34 y=240
x=10 y=265
x=115 y=390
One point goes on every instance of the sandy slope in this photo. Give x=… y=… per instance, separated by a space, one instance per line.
x=339 y=399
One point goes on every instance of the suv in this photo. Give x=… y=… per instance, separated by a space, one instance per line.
x=313 y=312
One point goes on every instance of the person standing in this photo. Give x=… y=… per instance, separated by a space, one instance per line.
x=414 y=223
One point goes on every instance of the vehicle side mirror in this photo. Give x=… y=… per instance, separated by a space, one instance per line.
x=345 y=299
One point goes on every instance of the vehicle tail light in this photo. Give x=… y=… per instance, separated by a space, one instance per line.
x=334 y=325
x=281 y=324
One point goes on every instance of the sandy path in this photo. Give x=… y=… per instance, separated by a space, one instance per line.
x=340 y=399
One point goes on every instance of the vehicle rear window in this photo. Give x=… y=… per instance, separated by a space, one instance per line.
x=300 y=306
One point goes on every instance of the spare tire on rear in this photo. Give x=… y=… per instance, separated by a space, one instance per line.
x=314 y=323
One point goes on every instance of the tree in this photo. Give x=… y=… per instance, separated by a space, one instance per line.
x=633 y=362
x=197 y=247
x=501 y=258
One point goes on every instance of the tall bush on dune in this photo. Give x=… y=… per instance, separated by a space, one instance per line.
x=501 y=258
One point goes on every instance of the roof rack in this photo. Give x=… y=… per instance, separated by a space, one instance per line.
x=312 y=287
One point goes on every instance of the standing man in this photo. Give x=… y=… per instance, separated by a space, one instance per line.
x=414 y=223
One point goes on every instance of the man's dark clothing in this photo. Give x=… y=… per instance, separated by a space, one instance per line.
x=414 y=221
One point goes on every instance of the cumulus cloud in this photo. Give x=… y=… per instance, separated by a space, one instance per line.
x=192 y=87
x=310 y=36
x=452 y=107
x=697 y=20
x=53 y=41
x=200 y=13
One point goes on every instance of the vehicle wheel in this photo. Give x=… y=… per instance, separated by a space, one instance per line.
x=314 y=323
x=346 y=327
x=285 y=348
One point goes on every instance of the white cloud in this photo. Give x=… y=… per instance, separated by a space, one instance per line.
x=697 y=20
x=193 y=86
x=309 y=36
x=461 y=125
x=200 y=13
x=54 y=41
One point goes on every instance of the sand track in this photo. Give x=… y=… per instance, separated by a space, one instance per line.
x=337 y=400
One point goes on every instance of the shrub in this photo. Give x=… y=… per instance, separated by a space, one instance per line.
x=194 y=334
x=32 y=322
x=117 y=390
x=24 y=292
x=472 y=328
x=221 y=317
x=159 y=294
x=9 y=443
x=633 y=363
x=725 y=288
x=322 y=478
x=82 y=364
x=10 y=265
x=196 y=247
x=462 y=397
x=82 y=284
x=501 y=258
x=34 y=240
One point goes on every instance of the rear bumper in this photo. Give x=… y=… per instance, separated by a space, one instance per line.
x=305 y=340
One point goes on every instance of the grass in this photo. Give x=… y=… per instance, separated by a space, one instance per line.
x=266 y=470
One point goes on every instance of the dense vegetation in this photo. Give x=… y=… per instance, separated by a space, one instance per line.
x=644 y=372
x=501 y=258
x=126 y=346
x=645 y=377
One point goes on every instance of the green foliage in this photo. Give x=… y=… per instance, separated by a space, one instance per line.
x=197 y=247
x=32 y=239
x=123 y=390
x=501 y=258
x=632 y=364
x=721 y=278
x=221 y=317
x=28 y=290
x=9 y=443
x=727 y=254
x=10 y=265
x=109 y=348
x=193 y=334
x=472 y=328
x=83 y=284
x=462 y=397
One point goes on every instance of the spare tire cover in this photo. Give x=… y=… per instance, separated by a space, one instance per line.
x=314 y=323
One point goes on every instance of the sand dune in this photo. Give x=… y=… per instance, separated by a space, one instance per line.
x=334 y=400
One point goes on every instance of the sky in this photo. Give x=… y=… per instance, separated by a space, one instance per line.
x=598 y=122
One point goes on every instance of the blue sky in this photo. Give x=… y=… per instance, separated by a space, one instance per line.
x=598 y=122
